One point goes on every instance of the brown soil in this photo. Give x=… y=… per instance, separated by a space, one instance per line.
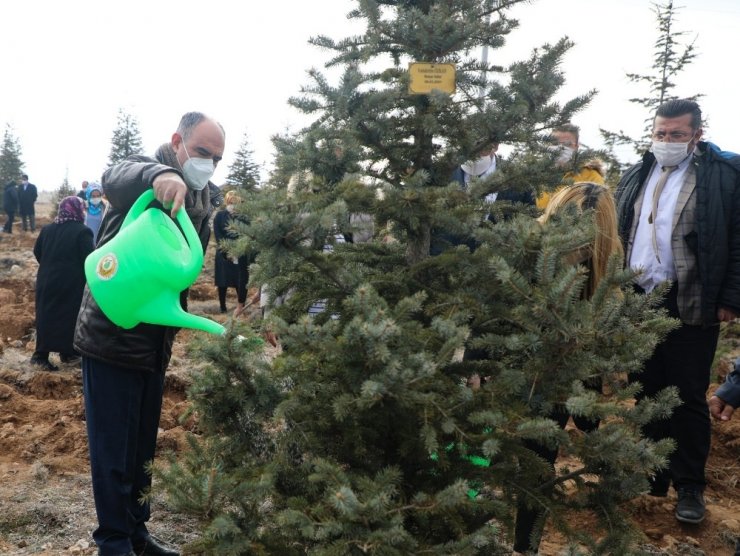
x=46 y=504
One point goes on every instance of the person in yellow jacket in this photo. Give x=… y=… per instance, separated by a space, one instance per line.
x=593 y=171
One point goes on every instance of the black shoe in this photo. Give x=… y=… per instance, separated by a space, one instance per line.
x=69 y=359
x=150 y=546
x=45 y=364
x=690 y=507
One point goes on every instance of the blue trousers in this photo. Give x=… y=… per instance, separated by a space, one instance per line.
x=122 y=408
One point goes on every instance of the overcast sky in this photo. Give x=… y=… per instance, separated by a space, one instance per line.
x=69 y=66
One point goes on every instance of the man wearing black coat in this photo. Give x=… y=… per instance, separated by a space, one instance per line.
x=10 y=205
x=480 y=168
x=679 y=219
x=123 y=370
x=27 y=195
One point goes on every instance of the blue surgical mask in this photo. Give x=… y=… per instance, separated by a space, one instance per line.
x=197 y=171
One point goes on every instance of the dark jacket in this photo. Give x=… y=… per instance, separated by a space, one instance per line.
x=226 y=273
x=442 y=239
x=525 y=197
x=10 y=198
x=61 y=250
x=145 y=347
x=717 y=245
x=26 y=198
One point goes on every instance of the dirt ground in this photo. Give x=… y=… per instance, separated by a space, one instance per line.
x=46 y=503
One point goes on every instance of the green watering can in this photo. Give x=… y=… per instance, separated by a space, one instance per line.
x=138 y=275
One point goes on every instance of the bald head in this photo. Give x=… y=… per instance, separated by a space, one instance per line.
x=198 y=136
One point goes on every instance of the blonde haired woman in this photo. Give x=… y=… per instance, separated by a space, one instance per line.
x=585 y=196
x=596 y=197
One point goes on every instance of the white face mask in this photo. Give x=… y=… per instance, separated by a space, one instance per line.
x=564 y=154
x=478 y=167
x=670 y=154
x=197 y=171
x=95 y=200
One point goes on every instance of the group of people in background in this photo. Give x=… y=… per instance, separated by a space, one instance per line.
x=60 y=249
x=20 y=200
x=676 y=217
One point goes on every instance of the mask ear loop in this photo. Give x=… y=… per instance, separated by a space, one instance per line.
x=184 y=147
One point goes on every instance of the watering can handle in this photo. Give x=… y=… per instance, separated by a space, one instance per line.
x=186 y=225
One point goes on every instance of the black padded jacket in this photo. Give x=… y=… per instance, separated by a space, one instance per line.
x=717 y=245
x=145 y=347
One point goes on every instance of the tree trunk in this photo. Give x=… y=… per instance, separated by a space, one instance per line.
x=418 y=245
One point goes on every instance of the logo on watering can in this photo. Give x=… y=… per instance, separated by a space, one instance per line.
x=107 y=267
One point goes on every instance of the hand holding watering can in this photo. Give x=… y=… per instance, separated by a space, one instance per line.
x=138 y=275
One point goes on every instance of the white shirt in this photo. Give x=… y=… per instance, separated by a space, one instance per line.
x=491 y=197
x=643 y=253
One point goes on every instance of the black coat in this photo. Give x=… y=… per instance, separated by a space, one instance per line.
x=145 y=347
x=717 y=242
x=10 y=198
x=61 y=250
x=227 y=273
x=442 y=239
x=27 y=198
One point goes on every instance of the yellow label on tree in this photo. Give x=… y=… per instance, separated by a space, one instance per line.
x=424 y=78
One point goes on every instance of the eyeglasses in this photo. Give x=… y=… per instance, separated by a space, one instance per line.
x=677 y=136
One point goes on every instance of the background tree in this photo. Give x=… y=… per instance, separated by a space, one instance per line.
x=362 y=436
x=244 y=172
x=11 y=165
x=64 y=190
x=670 y=58
x=126 y=138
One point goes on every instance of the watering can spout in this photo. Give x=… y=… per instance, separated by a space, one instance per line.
x=161 y=311
x=138 y=275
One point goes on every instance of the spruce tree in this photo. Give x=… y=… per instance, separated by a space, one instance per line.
x=64 y=190
x=244 y=172
x=11 y=165
x=126 y=138
x=670 y=58
x=362 y=436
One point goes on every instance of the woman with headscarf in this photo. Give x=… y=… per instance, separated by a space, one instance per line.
x=95 y=208
x=60 y=249
x=230 y=272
